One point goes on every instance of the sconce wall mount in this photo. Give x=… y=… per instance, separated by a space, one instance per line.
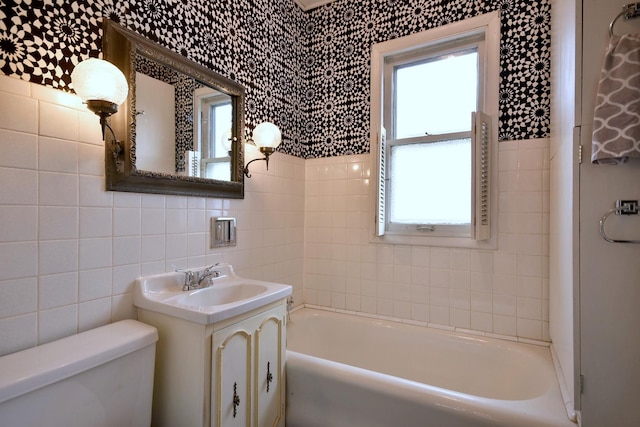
x=102 y=87
x=266 y=137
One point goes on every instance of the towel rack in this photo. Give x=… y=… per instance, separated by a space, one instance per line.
x=623 y=207
x=629 y=11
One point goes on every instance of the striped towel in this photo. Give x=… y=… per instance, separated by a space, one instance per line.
x=616 y=121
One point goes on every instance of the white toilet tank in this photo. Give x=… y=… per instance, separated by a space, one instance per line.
x=98 y=378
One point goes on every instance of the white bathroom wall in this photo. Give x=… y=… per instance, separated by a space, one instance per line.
x=503 y=291
x=565 y=131
x=70 y=251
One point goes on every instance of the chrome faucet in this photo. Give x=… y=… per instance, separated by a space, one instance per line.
x=196 y=280
x=209 y=273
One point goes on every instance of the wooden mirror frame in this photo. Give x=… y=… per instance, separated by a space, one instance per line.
x=120 y=47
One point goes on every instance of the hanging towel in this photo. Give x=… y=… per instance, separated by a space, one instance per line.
x=616 y=121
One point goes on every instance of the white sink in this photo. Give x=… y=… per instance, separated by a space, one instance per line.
x=227 y=296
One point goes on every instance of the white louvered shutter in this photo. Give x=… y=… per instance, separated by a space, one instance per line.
x=382 y=164
x=481 y=173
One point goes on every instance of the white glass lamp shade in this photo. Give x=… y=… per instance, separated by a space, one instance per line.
x=98 y=80
x=267 y=135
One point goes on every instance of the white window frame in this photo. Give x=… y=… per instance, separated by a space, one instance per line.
x=482 y=237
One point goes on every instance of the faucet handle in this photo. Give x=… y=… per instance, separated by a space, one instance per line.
x=189 y=277
x=211 y=267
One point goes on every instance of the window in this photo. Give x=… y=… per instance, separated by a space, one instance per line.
x=215 y=161
x=434 y=103
x=212 y=136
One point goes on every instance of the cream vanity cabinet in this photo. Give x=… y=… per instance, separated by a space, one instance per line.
x=248 y=373
x=226 y=374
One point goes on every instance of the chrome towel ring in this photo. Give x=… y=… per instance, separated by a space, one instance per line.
x=629 y=11
x=622 y=208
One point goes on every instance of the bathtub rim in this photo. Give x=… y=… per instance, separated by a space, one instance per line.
x=425 y=394
x=430 y=325
x=554 y=393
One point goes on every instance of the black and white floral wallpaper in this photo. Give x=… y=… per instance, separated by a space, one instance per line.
x=306 y=72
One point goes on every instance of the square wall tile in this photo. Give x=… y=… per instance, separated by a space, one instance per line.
x=58 y=222
x=91 y=159
x=57 y=155
x=94 y=284
x=92 y=193
x=57 y=323
x=57 y=189
x=18 y=113
x=18 y=149
x=19 y=187
x=96 y=222
x=58 y=121
x=18 y=296
x=23 y=221
x=19 y=260
x=18 y=333
x=56 y=290
x=95 y=253
x=57 y=256
x=95 y=313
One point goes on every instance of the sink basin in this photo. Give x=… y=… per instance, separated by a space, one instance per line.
x=227 y=296
x=219 y=295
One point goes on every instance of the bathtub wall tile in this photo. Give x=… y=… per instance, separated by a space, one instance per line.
x=502 y=291
x=18 y=332
x=70 y=251
x=57 y=323
x=301 y=222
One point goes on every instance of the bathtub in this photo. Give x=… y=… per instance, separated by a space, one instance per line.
x=347 y=370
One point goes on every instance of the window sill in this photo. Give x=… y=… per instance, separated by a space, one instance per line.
x=421 y=240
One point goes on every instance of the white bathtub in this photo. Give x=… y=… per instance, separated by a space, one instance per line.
x=351 y=371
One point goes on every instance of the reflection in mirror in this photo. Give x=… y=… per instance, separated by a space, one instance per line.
x=176 y=135
x=212 y=133
x=184 y=123
x=156 y=125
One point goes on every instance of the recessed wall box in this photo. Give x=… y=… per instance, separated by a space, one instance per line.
x=223 y=232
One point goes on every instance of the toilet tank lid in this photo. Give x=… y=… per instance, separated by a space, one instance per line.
x=39 y=366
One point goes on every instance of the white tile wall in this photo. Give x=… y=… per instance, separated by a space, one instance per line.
x=70 y=251
x=503 y=291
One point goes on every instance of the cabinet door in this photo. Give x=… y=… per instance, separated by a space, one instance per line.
x=233 y=378
x=269 y=373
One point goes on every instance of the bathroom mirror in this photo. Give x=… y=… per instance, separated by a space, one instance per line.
x=181 y=127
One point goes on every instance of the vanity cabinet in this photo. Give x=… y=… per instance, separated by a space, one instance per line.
x=247 y=380
x=227 y=374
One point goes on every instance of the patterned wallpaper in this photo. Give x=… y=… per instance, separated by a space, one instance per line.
x=306 y=72
x=339 y=37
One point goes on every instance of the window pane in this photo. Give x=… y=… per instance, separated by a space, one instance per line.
x=436 y=96
x=221 y=171
x=431 y=183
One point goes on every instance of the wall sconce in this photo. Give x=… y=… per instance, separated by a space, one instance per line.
x=102 y=87
x=266 y=136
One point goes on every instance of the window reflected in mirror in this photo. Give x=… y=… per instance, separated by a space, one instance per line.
x=213 y=135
